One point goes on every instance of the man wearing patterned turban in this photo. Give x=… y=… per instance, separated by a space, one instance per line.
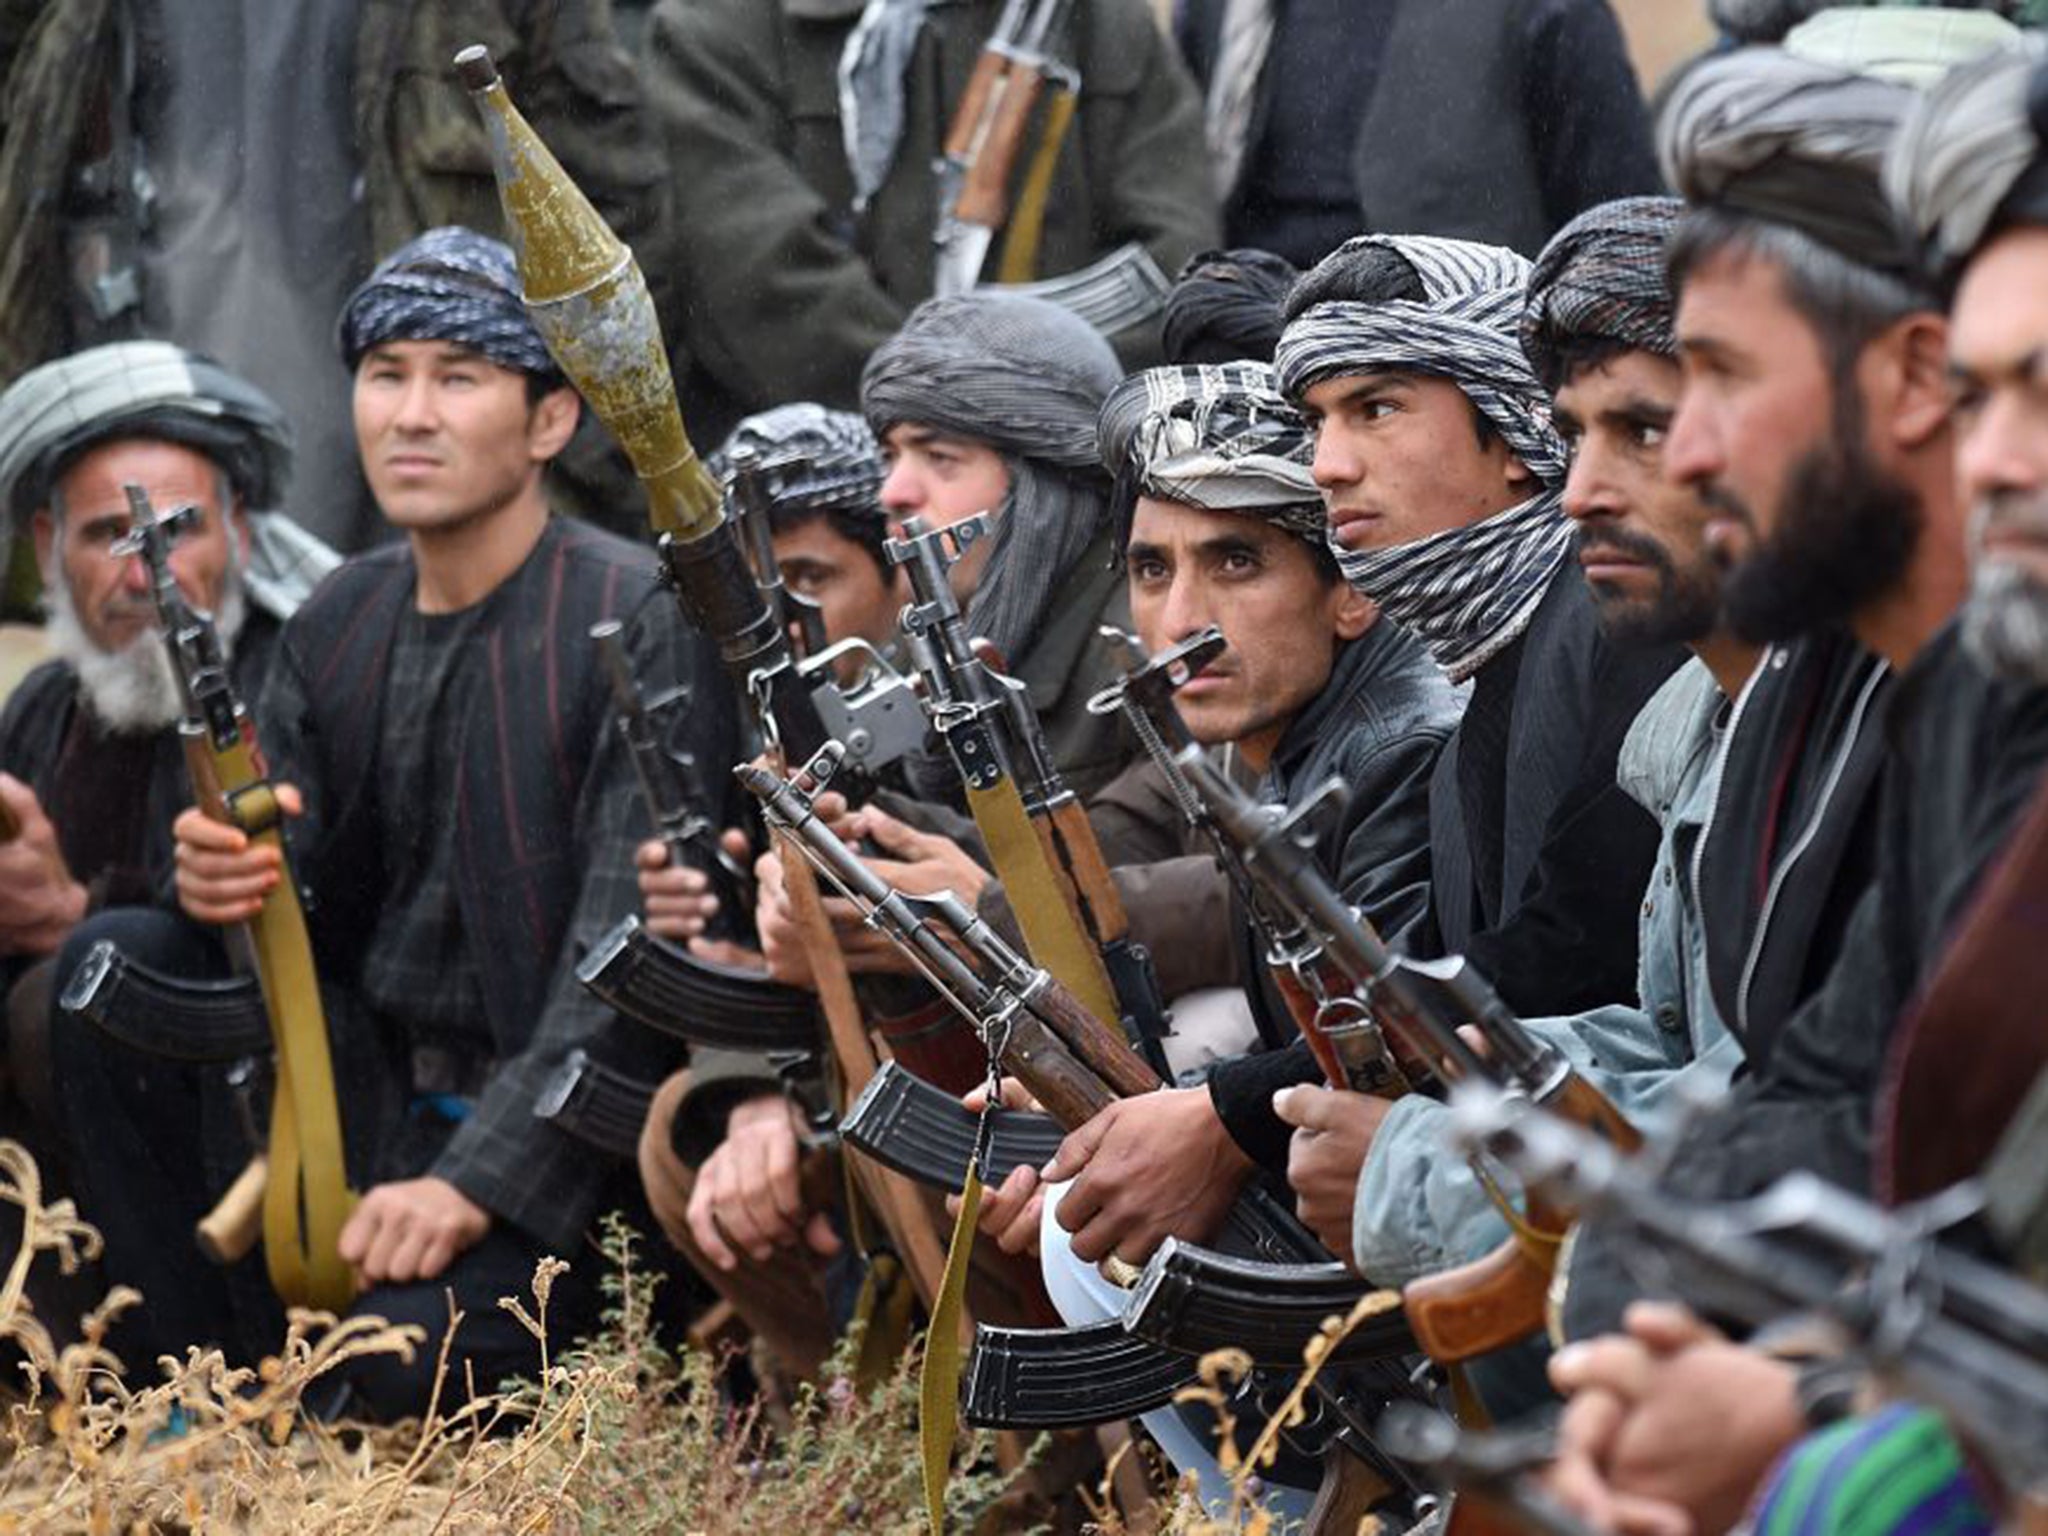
x=463 y=819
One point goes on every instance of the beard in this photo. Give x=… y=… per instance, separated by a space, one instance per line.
x=1845 y=534
x=132 y=689
x=2005 y=617
x=1685 y=607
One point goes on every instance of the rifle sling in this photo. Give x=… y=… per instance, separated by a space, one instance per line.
x=1027 y=219
x=1044 y=907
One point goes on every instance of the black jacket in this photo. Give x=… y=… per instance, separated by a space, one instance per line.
x=1494 y=120
x=1379 y=724
x=549 y=814
x=1964 y=756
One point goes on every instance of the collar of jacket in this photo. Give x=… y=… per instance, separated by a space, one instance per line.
x=1355 y=668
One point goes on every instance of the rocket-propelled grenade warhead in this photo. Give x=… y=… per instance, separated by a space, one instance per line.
x=590 y=303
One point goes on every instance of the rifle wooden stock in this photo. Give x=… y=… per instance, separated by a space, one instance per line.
x=985 y=192
x=1581 y=1103
x=990 y=68
x=226 y=1233
x=1488 y=1304
x=1095 y=1044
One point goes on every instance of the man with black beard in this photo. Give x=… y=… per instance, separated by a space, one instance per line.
x=1674 y=1425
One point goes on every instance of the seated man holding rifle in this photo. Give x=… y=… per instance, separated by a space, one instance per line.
x=463 y=816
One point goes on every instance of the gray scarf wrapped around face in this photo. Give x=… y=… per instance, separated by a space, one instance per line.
x=1028 y=379
x=1466 y=592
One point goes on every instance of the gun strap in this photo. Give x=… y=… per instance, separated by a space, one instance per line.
x=895 y=1200
x=1027 y=219
x=307 y=1199
x=938 y=1391
x=1043 y=904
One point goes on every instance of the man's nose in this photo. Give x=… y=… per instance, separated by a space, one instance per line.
x=1334 y=463
x=2002 y=449
x=902 y=488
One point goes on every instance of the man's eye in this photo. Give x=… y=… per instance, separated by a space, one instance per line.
x=1376 y=410
x=1648 y=438
x=1967 y=399
x=1148 y=570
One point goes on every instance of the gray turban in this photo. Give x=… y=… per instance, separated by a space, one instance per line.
x=1027 y=378
x=1601 y=278
x=146 y=389
x=818 y=460
x=1220 y=437
x=1767 y=21
x=1792 y=143
x=450 y=284
x=1467 y=330
x=1973 y=155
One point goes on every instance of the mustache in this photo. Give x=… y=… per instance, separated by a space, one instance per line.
x=1637 y=547
x=2023 y=512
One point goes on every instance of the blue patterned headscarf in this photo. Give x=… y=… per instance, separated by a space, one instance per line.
x=451 y=284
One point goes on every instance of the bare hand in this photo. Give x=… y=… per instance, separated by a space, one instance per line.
x=1011 y=1212
x=678 y=898
x=918 y=863
x=222 y=876
x=1333 y=1132
x=1147 y=1168
x=39 y=901
x=1643 y=1405
x=748 y=1193
x=411 y=1230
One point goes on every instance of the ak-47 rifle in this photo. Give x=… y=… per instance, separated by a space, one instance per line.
x=1075 y=1066
x=588 y=299
x=979 y=158
x=1946 y=1328
x=1348 y=1043
x=1037 y=832
x=305 y=1199
x=1493 y=1301
x=1492 y=1475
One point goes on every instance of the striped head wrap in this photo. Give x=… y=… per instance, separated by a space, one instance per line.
x=1466 y=592
x=817 y=460
x=1219 y=437
x=1790 y=142
x=1973 y=154
x=450 y=284
x=1601 y=278
x=1027 y=378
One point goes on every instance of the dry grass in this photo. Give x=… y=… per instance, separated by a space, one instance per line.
x=618 y=1435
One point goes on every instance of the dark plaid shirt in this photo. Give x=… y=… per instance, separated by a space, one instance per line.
x=421 y=970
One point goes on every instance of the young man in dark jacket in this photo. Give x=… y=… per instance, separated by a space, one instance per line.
x=465 y=818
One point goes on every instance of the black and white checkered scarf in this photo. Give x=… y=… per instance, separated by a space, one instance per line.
x=1467 y=592
x=1218 y=436
x=1602 y=277
x=817 y=460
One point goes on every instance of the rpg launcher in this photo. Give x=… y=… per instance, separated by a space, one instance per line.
x=1075 y=1066
x=1946 y=1328
x=306 y=1199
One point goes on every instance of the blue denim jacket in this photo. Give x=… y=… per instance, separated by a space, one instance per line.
x=1419 y=1209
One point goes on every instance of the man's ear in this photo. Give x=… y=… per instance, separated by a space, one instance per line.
x=42 y=529
x=553 y=423
x=1914 y=379
x=1354 y=614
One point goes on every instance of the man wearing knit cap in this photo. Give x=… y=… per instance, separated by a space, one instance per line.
x=1225 y=527
x=1818 y=419
x=463 y=819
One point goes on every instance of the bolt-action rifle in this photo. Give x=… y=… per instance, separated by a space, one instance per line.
x=305 y=1198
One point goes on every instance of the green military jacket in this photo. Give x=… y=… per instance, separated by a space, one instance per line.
x=782 y=291
x=421 y=145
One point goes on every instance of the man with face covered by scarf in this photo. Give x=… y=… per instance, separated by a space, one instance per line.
x=463 y=819
x=1819 y=417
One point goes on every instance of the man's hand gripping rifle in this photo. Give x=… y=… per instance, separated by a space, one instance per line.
x=305 y=1200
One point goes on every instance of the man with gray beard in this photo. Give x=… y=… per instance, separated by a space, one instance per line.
x=90 y=766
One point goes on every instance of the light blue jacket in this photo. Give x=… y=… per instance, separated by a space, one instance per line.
x=1419 y=1209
